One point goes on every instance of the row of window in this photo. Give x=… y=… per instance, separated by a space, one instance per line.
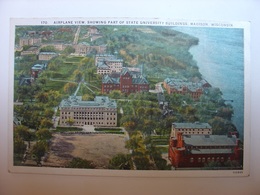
x=96 y=123
x=188 y=132
x=209 y=159
x=84 y=108
x=210 y=147
x=89 y=118
x=88 y=113
x=193 y=129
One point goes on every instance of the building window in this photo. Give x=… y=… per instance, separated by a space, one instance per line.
x=191 y=160
x=199 y=160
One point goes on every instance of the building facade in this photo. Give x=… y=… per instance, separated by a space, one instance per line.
x=109 y=66
x=126 y=81
x=178 y=86
x=30 y=41
x=196 y=128
x=31 y=51
x=100 y=112
x=37 y=69
x=197 y=151
x=84 y=48
x=46 y=56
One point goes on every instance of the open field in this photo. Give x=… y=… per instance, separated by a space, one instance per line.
x=99 y=148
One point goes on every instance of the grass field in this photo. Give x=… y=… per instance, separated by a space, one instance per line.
x=99 y=148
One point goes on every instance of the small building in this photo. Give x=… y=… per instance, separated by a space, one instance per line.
x=84 y=48
x=30 y=41
x=100 y=112
x=103 y=57
x=37 y=69
x=57 y=44
x=197 y=151
x=31 y=51
x=196 y=128
x=109 y=66
x=46 y=56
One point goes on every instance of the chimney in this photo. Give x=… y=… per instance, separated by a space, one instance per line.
x=180 y=142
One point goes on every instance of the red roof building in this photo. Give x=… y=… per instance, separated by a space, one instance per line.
x=196 y=151
x=127 y=82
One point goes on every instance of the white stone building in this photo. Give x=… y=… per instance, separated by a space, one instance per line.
x=100 y=112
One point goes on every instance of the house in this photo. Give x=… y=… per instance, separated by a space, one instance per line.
x=100 y=112
x=126 y=81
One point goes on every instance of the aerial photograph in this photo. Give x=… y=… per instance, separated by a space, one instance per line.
x=128 y=97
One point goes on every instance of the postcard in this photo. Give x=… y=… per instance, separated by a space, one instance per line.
x=140 y=97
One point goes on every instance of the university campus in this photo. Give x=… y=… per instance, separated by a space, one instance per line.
x=117 y=97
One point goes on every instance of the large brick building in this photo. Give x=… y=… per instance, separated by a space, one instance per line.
x=178 y=86
x=84 y=48
x=197 y=151
x=126 y=81
x=100 y=112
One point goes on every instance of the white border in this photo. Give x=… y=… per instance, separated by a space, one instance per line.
x=133 y=173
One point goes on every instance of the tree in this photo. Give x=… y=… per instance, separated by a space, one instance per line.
x=42 y=97
x=24 y=133
x=54 y=97
x=225 y=112
x=38 y=151
x=19 y=149
x=70 y=121
x=219 y=125
x=81 y=163
x=115 y=94
x=70 y=87
x=68 y=50
x=136 y=143
x=48 y=49
x=121 y=161
x=48 y=113
x=129 y=125
x=78 y=75
x=43 y=134
x=46 y=123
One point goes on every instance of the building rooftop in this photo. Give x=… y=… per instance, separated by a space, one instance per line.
x=38 y=67
x=178 y=84
x=196 y=125
x=212 y=151
x=99 y=101
x=210 y=140
x=137 y=77
x=47 y=53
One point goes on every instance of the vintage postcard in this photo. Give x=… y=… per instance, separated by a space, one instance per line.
x=129 y=97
